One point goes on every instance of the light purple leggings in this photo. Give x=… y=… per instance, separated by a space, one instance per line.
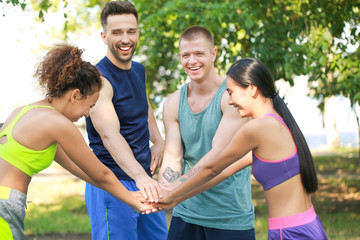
x=305 y=225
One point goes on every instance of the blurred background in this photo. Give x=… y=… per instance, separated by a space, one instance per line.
x=312 y=49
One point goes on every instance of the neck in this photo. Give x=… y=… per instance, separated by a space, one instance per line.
x=207 y=85
x=57 y=103
x=126 y=65
x=263 y=106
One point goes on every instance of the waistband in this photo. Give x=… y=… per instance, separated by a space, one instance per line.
x=293 y=220
x=7 y=193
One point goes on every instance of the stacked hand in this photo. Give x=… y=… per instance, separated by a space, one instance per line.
x=163 y=202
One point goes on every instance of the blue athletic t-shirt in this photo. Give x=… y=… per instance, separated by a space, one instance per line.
x=131 y=106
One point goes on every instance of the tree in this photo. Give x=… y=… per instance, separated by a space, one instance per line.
x=291 y=37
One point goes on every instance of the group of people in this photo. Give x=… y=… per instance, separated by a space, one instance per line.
x=215 y=128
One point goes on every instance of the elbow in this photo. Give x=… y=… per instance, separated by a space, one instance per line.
x=211 y=171
x=103 y=178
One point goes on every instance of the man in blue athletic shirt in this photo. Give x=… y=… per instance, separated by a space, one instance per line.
x=198 y=120
x=119 y=129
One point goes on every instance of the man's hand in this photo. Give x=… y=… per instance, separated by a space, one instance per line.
x=157 y=154
x=149 y=188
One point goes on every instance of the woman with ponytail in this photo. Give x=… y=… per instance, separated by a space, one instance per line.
x=36 y=134
x=281 y=159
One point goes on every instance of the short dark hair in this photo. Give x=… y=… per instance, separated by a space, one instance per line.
x=195 y=31
x=117 y=8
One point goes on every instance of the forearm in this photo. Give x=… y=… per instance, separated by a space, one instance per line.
x=112 y=185
x=225 y=174
x=63 y=160
x=169 y=173
x=206 y=186
x=123 y=156
x=190 y=181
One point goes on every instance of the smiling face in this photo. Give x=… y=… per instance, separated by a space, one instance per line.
x=121 y=35
x=239 y=97
x=197 y=57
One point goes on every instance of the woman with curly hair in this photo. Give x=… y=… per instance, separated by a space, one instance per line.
x=36 y=134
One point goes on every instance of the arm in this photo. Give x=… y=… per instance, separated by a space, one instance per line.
x=171 y=167
x=213 y=163
x=225 y=174
x=106 y=123
x=157 y=149
x=63 y=160
x=73 y=146
x=230 y=123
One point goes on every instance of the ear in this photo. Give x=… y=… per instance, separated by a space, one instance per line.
x=253 y=90
x=75 y=95
x=213 y=53
x=103 y=36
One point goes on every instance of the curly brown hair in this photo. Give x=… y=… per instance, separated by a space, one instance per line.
x=63 y=69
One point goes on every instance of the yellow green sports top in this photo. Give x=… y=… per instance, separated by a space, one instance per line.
x=27 y=160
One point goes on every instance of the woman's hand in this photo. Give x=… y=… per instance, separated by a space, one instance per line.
x=144 y=206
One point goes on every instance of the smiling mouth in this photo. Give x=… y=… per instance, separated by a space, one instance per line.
x=124 y=48
x=194 y=68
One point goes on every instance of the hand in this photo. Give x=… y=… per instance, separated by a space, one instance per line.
x=149 y=188
x=146 y=207
x=161 y=206
x=165 y=201
x=157 y=154
x=166 y=195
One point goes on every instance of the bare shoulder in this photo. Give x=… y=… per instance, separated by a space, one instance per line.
x=11 y=117
x=260 y=126
x=106 y=90
x=52 y=122
x=172 y=101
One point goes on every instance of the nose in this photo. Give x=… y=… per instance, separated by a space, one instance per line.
x=230 y=101
x=192 y=59
x=125 y=38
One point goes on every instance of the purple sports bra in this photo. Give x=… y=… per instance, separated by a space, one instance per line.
x=271 y=173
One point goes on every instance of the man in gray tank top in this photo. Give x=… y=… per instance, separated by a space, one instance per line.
x=198 y=120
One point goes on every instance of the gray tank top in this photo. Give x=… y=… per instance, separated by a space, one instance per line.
x=227 y=205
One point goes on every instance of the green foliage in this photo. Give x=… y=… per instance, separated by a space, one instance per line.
x=290 y=37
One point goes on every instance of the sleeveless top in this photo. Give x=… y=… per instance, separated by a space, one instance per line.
x=271 y=173
x=227 y=205
x=25 y=159
x=131 y=106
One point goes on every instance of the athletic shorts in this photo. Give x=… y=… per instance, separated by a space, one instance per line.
x=112 y=219
x=181 y=230
x=12 y=214
x=306 y=225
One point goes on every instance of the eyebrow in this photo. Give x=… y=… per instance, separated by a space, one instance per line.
x=193 y=52
x=121 y=29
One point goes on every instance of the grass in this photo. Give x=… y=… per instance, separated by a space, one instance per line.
x=67 y=215
x=59 y=206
